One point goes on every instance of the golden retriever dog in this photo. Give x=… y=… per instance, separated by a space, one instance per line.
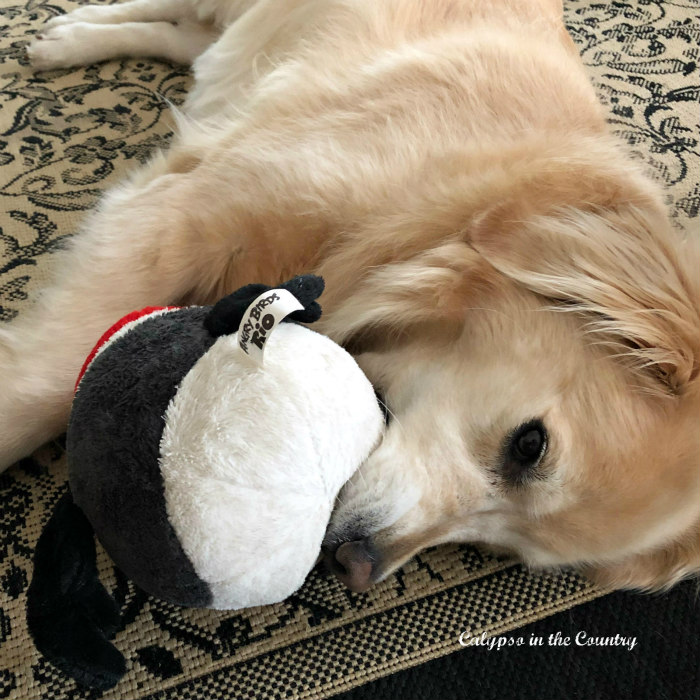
x=501 y=270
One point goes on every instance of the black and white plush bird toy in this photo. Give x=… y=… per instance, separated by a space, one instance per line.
x=206 y=447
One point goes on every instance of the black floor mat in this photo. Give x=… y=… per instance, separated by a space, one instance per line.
x=664 y=663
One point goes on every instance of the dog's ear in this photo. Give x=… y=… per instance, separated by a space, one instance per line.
x=605 y=250
x=431 y=287
x=656 y=570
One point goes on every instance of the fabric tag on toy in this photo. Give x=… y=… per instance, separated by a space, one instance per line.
x=262 y=317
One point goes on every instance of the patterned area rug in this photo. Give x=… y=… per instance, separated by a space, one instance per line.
x=67 y=135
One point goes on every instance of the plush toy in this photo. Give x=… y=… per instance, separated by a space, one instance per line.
x=206 y=458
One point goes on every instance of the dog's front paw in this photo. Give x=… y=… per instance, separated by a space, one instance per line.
x=89 y=14
x=58 y=47
x=59 y=21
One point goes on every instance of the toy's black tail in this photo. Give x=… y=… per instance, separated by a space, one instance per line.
x=227 y=313
x=70 y=615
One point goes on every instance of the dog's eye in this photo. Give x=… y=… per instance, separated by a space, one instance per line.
x=382 y=404
x=524 y=449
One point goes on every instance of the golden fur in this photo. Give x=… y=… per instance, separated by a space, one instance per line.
x=491 y=256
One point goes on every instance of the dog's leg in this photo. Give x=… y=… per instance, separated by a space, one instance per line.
x=134 y=11
x=221 y=13
x=80 y=43
x=246 y=50
x=138 y=249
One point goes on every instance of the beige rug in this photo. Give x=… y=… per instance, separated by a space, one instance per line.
x=64 y=137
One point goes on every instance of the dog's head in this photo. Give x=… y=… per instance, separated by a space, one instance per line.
x=540 y=369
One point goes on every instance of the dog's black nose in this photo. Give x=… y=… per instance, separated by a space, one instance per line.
x=352 y=563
